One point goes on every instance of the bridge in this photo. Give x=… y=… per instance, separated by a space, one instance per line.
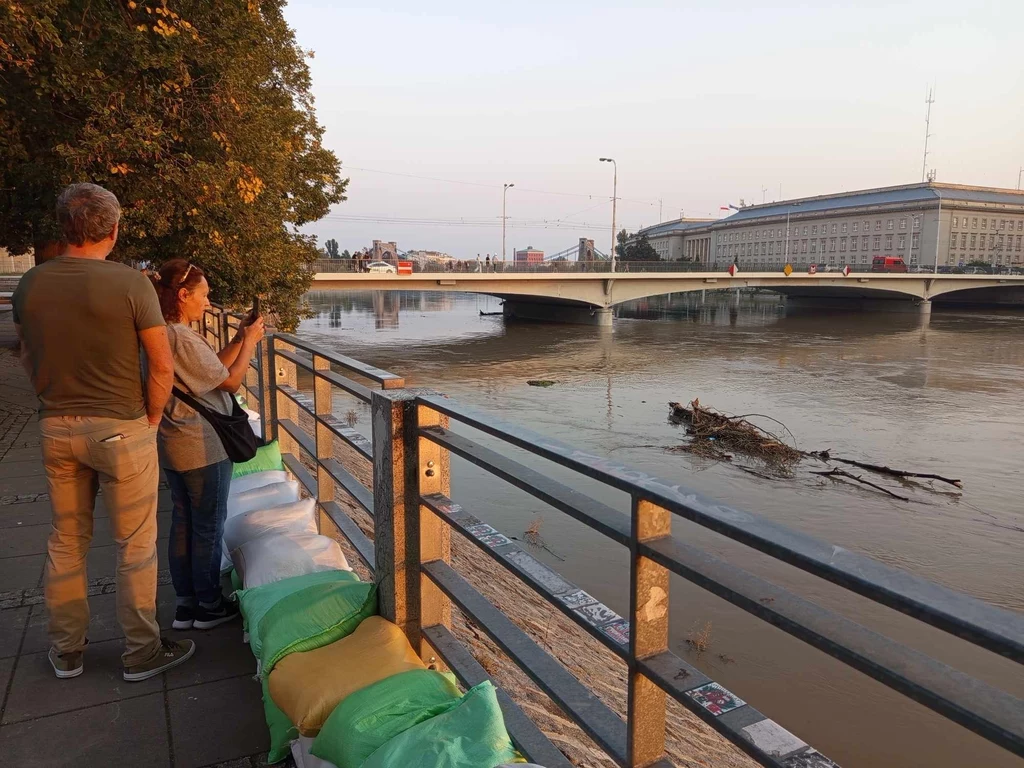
x=577 y=292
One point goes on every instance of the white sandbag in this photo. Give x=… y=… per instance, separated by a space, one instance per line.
x=297 y=517
x=264 y=497
x=254 y=421
x=304 y=758
x=277 y=556
x=246 y=483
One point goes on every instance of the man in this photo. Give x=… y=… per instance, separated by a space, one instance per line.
x=81 y=320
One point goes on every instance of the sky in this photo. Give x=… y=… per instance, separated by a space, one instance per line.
x=433 y=107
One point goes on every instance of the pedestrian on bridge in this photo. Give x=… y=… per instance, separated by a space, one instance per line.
x=82 y=321
x=488 y=263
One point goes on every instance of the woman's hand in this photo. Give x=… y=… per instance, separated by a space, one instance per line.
x=253 y=333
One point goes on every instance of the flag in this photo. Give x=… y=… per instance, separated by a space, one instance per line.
x=723 y=207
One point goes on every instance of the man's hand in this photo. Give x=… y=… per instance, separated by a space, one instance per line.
x=161 y=371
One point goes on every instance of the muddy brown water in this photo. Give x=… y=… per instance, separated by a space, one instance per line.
x=939 y=394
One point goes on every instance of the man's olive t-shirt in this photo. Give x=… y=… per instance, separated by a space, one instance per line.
x=80 y=320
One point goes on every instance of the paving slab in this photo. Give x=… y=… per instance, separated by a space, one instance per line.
x=121 y=733
x=31 y=513
x=12 y=627
x=21 y=572
x=220 y=654
x=10 y=470
x=37 y=692
x=14 y=485
x=231 y=709
x=24 y=454
x=101 y=562
x=24 y=540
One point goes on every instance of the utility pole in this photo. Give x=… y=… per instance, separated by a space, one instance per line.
x=927 y=124
x=661 y=206
x=764 y=194
x=615 y=193
x=504 y=218
x=1019 y=173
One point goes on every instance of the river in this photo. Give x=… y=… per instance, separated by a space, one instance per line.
x=938 y=394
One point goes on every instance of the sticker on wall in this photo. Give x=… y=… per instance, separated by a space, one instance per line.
x=483 y=529
x=539 y=572
x=812 y=758
x=597 y=614
x=618 y=631
x=770 y=737
x=716 y=699
x=495 y=540
x=577 y=599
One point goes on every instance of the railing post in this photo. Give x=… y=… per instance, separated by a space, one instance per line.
x=284 y=373
x=648 y=635
x=403 y=538
x=265 y=379
x=323 y=439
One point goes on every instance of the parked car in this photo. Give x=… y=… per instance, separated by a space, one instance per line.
x=381 y=267
x=888 y=264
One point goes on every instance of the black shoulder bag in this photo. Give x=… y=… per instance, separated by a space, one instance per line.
x=239 y=440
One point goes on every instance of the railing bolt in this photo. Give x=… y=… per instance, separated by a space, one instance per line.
x=430 y=473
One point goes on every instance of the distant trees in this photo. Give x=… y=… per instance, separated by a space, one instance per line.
x=331 y=249
x=640 y=249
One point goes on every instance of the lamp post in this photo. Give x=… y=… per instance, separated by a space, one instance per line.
x=504 y=196
x=1019 y=174
x=615 y=192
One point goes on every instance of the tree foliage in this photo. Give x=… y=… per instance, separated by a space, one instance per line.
x=632 y=248
x=197 y=115
x=331 y=249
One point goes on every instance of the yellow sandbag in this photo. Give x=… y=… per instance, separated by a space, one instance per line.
x=308 y=686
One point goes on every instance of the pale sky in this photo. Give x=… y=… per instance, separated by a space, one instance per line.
x=700 y=105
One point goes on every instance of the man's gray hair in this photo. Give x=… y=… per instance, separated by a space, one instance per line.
x=87 y=213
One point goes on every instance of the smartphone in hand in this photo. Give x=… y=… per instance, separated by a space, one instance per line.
x=255 y=308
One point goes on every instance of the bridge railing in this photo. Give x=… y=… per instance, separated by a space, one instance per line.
x=398 y=477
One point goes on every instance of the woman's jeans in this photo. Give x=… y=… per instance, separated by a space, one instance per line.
x=200 y=499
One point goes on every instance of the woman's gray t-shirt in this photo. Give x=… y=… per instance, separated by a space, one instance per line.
x=186 y=439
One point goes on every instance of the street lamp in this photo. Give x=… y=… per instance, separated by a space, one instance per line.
x=504 y=195
x=1019 y=174
x=615 y=192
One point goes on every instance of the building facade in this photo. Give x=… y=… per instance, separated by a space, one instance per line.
x=925 y=224
x=530 y=255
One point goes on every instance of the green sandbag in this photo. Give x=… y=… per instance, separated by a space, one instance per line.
x=312 y=618
x=369 y=718
x=255 y=602
x=282 y=732
x=236 y=580
x=470 y=735
x=267 y=457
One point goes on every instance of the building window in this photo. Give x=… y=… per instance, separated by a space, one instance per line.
x=832 y=244
x=1002 y=224
x=803 y=244
x=822 y=241
x=854 y=227
x=903 y=222
x=843 y=228
x=771 y=248
x=974 y=223
x=876 y=242
x=805 y=230
x=864 y=243
x=833 y=229
x=902 y=243
x=1018 y=241
x=853 y=243
x=956 y=223
x=1000 y=242
x=917 y=222
x=878 y=225
x=842 y=245
x=889 y=225
x=974 y=241
x=1020 y=225
x=814 y=229
x=984 y=223
x=991 y=241
x=963 y=242
x=814 y=245
x=866 y=227
x=915 y=240
x=888 y=242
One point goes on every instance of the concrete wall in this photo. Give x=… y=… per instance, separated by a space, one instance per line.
x=15 y=264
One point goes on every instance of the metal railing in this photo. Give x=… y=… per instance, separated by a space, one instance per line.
x=410 y=554
x=470 y=266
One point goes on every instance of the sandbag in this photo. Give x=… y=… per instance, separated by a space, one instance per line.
x=304 y=758
x=263 y=497
x=308 y=686
x=296 y=517
x=312 y=618
x=369 y=718
x=254 y=603
x=278 y=556
x=267 y=457
x=470 y=735
x=257 y=480
x=282 y=731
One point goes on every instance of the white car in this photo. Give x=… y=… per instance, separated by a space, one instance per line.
x=381 y=267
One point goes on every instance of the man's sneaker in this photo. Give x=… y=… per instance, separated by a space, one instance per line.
x=208 y=618
x=183 y=617
x=66 y=664
x=171 y=654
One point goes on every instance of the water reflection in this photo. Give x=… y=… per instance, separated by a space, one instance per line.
x=938 y=393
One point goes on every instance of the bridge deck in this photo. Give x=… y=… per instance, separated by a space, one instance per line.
x=207 y=712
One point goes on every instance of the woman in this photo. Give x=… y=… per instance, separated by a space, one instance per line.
x=191 y=454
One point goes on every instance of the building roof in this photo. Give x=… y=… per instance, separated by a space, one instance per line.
x=913 y=193
x=679 y=225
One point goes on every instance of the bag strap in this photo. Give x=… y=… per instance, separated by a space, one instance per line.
x=192 y=403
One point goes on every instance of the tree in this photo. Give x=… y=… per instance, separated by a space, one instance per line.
x=640 y=249
x=345 y=254
x=198 y=116
x=331 y=248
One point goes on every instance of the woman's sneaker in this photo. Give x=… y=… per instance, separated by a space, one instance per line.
x=171 y=654
x=208 y=618
x=184 y=615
